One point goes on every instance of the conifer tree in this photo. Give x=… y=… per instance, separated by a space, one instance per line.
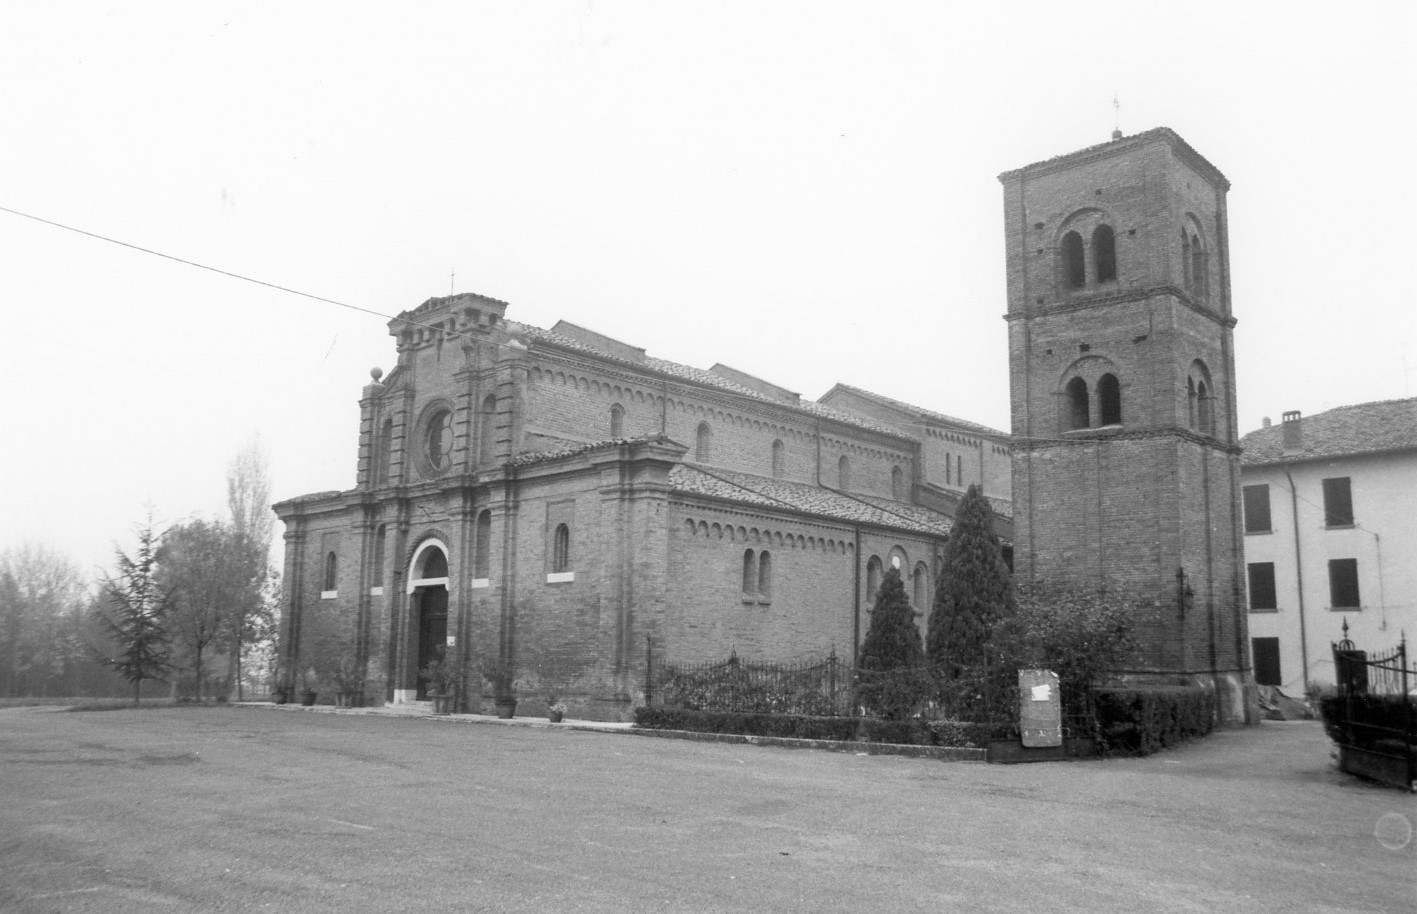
x=973 y=596
x=137 y=620
x=889 y=681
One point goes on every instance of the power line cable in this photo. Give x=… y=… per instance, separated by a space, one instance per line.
x=228 y=273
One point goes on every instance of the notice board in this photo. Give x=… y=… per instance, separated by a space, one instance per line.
x=1040 y=710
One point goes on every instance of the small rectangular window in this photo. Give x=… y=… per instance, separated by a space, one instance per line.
x=1343 y=584
x=1262 y=598
x=1266 y=652
x=1338 y=502
x=1257 y=518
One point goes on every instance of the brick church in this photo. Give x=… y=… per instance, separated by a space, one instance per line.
x=559 y=502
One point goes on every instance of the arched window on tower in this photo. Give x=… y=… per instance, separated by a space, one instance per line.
x=617 y=421
x=1200 y=399
x=486 y=430
x=1104 y=253
x=1205 y=423
x=779 y=458
x=1074 y=267
x=1109 y=400
x=1199 y=280
x=1075 y=405
x=703 y=447
x=1186 y=260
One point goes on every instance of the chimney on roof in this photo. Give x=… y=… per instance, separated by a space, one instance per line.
x=1293 y=432
x=1265 y=423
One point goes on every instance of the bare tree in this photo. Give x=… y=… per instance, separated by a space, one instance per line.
x=39 y=588
x=201 y=567
x=248 y=496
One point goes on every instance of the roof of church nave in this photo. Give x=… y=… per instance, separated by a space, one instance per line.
x=699 y=376
x=919 y=411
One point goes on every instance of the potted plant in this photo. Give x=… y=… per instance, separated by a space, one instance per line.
x=499 y=675
x=349 y=681
x=556 y=712
x=309 y=682
x=443 y=679
x=280 y=689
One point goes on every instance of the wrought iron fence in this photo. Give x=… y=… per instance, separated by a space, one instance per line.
x=1373 y=715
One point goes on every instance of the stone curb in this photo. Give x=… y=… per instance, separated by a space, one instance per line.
x=939 y=753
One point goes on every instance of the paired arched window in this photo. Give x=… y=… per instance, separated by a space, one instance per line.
x=843 y=473
x=1078 y=411
x=779 y=458
x=757 y=576
x=482 y=547
x=703 y=447
x=561 y=549
x=486 y=430
x=617 y=421
x=1200 y=399
x=1195 y=268
x=1087 y=260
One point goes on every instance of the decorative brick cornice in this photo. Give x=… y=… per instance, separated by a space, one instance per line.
x=1183 y=151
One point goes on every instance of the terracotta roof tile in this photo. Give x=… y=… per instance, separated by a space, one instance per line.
x=923 y=412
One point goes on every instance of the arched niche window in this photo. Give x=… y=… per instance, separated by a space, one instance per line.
x=482 y=547
x=779 y=458
x=873 y=578
x=438 y=440
x=703 y=446
x=897 y=484
x=1109 y=399
x=486 y=430
x=750 y=574
x=331 y=571
x=383 y=453
x=764 y=576
x=1074 y=265
x=561 y=549
x=920 y=586
x=380 y=539
x=617 y=421
x=959 y=470
x=843 y=473
x=949 y=468
x=1104 y=254
x=1076 y=412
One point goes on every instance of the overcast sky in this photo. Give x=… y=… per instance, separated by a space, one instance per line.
x=804 y=191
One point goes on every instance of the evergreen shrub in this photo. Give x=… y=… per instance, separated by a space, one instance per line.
x=1141 y=720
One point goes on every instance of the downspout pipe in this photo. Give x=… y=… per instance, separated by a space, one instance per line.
x=1299 y=576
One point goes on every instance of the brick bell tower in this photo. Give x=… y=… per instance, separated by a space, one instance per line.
x=1122 y=379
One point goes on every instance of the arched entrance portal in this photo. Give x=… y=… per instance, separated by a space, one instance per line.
x=428 y=604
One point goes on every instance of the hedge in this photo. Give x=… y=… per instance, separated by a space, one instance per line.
x=912 y=732
x=1378 y=718
x=1141 y=720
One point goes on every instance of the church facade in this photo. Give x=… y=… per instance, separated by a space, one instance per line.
x=560 y=503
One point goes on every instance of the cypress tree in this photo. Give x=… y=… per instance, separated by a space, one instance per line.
x=972 y=597
x=889 y=682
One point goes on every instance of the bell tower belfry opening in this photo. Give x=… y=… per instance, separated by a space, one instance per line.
x=1126 y=459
